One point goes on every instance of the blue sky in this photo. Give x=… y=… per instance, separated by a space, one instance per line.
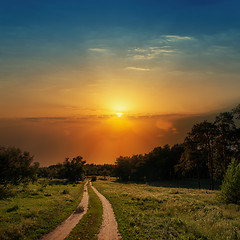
x=83 y=59
x=56 y=46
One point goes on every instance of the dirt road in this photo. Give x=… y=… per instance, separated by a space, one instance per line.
x=109 y=227
x=63 y=230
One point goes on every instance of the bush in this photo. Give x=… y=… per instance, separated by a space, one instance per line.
x=65 y=191
x=230 y=189
x=16 y=167
x=14 y=208
x=94 y=178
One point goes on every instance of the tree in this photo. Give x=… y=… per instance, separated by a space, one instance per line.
x=203 y=135
x=73 y=170
x=236 y=111
x=16 y=166
x=192 y=160
x=123 y=168
x=225 y=142
x=230 y=189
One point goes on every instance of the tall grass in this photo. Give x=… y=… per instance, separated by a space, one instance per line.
x=148 y=212
x=37 y=209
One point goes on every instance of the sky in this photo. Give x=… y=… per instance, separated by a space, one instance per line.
x=67 y=68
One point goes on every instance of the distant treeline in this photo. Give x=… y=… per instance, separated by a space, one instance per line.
x=206 y=152
x=76 y=170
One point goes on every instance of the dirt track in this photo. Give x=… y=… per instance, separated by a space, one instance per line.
x=109 y=227
x=63 y=230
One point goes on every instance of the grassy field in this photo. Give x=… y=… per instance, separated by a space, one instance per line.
x=34 y=210
x=150 y=212
x=88 y=227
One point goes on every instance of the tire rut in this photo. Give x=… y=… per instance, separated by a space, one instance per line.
x=64 y=228
x=109 y=226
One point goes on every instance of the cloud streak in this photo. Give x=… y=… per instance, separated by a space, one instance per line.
x=177 y=38
x=166 y=45
x=138 y=69
x=100 y=50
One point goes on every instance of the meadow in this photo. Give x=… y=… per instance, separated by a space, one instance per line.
x=143 y=211
x=150 y=212
x=33 y=210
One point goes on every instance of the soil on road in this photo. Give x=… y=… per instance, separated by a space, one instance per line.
x=109 y=227
x=64 y=229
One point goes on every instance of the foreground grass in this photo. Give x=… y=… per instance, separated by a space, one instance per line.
x=148 y=212
x=37 y=209
x=88 y=226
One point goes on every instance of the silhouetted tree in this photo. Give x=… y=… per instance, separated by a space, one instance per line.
x=156 y=163
x=123 y=168
x=154 y=166
x=73 y=170
x=192 y=160
x=137 y=164
x=204 y=134
x=225 y=142
x=16 y=166
x=236 y=111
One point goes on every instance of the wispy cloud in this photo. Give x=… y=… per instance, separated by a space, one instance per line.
x=177 y=38
x=164 y=46
x=150 y=52
x=98 y=49
x=138 y=68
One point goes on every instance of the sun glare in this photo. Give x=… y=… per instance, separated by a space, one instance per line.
x=119 y=114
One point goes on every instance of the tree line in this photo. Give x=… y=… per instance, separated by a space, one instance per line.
x=17 y=167
x=76 y=169
x=206 y=152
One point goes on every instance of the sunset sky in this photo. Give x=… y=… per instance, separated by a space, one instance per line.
x=67 y=68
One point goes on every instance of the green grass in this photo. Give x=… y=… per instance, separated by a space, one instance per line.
x=149 y=212
x=37 y=209
x=88 y=227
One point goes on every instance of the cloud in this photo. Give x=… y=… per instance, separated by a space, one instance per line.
x=150 y=52
x=138 y=68
x=163 y=46
x=177 y=38
x=98 y=50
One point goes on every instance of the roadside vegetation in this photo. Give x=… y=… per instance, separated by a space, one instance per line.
x=88 y=227
x=33 y=210
x=148 y=212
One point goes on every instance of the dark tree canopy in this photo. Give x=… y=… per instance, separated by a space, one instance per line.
x=154 y=166
x=16 y=166
x=73 y=170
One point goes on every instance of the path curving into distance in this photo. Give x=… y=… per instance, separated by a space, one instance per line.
x=64 y=229
x=109 y=227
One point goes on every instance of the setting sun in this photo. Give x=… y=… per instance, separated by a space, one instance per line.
x=119 y=114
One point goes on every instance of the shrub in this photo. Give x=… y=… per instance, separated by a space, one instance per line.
x=94 y=178
x=230 y=189
x=65 y=191
x=14 y=208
